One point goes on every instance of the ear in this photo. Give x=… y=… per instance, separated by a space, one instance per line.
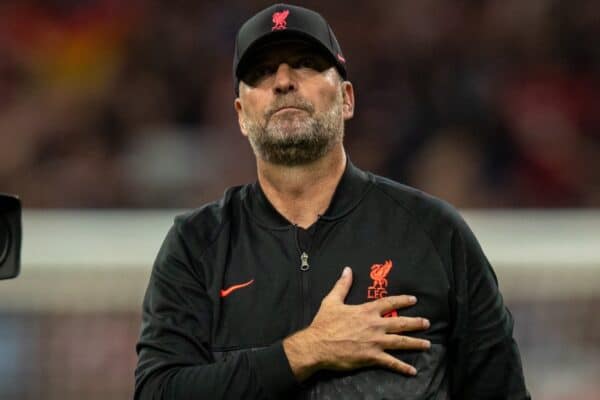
x=348 y=98
x=237 y=105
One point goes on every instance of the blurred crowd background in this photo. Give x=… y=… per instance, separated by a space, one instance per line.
x=486 y=103
x=129 y=104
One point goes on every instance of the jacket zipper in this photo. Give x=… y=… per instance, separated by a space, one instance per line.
x=304 y=268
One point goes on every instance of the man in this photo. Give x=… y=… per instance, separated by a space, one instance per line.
x=320 y=280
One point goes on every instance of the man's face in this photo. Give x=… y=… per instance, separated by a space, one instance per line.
x=293 y=104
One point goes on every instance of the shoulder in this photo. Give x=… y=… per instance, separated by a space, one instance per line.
x=204 y=224
x=429 y=211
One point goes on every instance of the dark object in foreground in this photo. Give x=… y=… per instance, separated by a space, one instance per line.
x=10 y=236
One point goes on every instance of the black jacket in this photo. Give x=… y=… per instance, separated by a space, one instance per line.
x=200 y=340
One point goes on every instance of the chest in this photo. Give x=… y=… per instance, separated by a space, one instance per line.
x=270 y=283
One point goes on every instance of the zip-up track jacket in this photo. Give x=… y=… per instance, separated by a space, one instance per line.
x=232 y=280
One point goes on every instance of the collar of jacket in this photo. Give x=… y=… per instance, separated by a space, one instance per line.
x=351 y=189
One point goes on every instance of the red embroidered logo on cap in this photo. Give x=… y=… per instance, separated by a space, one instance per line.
x=342 y=59
x=279 y=20
x=378 y=289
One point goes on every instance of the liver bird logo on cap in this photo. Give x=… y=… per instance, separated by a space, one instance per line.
x=279 y=20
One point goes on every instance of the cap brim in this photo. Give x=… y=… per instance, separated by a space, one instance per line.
x=288 y=36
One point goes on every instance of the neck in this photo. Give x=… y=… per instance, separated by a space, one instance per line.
x=302 y=193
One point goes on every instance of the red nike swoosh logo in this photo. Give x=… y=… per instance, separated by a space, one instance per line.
x=230 y=289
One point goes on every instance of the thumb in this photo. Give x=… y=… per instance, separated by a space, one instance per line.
x=342 y=286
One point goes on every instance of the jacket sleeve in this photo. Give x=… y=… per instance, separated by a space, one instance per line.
x=174 y=350
x=487 y=357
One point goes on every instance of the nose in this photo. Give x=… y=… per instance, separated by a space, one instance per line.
x=285 y=81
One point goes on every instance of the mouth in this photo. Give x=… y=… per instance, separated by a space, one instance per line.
x=287 y=109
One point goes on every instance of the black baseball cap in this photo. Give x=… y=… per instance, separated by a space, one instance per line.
x=279 y=23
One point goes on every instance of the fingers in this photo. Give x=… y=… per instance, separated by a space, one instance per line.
x=399 y=342
x=406 y=324
x=390 y=303
x=387 y=361
x=342 y=286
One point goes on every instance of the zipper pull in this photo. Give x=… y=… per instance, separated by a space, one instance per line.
x=304 y=261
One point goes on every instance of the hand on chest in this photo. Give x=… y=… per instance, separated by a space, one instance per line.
x=271 y=295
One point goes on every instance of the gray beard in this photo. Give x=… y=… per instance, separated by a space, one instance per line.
x=296 y=139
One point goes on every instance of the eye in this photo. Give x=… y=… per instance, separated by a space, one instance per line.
x=306 y=62
x=265 y=70
x=254 y=75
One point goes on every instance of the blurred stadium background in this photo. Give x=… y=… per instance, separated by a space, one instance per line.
x=115 y=116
